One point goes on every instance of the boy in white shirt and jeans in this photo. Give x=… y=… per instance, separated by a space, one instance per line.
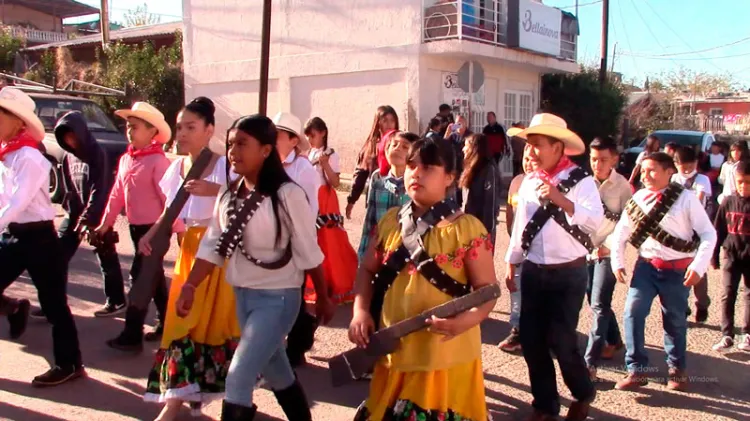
x=686 y=162
x=661 y=221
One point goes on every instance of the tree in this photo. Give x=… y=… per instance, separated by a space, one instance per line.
x=9 y=46
x=693 y=83
x=151 y=75
x=140 y=16
x=588 y=109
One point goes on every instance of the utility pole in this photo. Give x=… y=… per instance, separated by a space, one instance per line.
x=614 y=56
x=104 y=21
x=605 y=41
x=265 y=46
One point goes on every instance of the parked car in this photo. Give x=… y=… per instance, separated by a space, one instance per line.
x=50 y=107
x=701 y=141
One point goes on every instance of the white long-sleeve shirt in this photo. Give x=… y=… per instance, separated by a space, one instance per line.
x=24 y=188
x=259 y=237
x=553 y=245
x=302 y=172
x=686 y=215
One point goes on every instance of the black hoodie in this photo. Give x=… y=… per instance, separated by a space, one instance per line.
x=732 y=225
x=86 y=173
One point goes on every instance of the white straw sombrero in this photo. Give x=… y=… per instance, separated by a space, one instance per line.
x=149 y=113
x=553 y=126
x=290 y=123
x=22 y=106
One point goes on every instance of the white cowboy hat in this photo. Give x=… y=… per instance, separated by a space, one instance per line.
x=290 y=123
x=22 y=106
x=553 y=126
x=513 y=131
x=150 y=114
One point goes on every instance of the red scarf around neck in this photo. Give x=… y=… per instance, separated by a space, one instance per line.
x=23 y=138
x=151 y=149
x=549 y=176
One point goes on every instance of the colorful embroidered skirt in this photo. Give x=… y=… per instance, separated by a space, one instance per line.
x=193 y=360
x=340 y=259
x=455 y=394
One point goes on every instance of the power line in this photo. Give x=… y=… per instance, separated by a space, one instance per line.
x=704 y=50
x=648 y=27
x=581 y=5
x=680 y=37
x=625 y=31
x=627 y=53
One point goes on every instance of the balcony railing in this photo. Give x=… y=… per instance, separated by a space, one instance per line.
x=480 y=21
x=36 y=36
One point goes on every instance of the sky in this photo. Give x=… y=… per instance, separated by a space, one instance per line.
x=646 y=37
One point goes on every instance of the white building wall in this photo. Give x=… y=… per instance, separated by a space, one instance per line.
x=338 y=60
x=313 y=70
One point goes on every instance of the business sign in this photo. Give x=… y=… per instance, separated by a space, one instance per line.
x=456 y=97
x=534 y=26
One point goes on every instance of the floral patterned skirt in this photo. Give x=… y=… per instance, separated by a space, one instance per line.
x=190 y=372
x=193 y=360
x=454 y=394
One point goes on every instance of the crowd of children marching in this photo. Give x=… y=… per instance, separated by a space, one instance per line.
x=262 y=248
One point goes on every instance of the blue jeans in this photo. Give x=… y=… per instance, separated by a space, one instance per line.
x=515 y=300
x=604 y=328
x=648 y=283
x=266 y=317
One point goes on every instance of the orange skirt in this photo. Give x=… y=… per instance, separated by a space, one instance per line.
x=340 y=259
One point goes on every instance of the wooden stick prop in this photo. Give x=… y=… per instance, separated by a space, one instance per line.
x=143 y=289
x=353 y=364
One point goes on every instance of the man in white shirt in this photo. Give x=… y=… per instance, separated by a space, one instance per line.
x=614 y=189
x=29 y=239
x=686 y=162
x=558 y=209
x=292 y=146
x=661 y=221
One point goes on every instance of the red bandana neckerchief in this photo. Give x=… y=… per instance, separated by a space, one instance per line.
x=22 y=139
x=651 y=195
x=548 y=176
x=151 y=149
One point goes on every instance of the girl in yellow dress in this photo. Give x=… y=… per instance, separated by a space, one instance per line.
x=193 y=360
x=436 y=374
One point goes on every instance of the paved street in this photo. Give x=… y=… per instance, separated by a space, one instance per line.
x=115 y=383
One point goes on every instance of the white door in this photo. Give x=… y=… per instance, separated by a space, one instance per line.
x=517 y=107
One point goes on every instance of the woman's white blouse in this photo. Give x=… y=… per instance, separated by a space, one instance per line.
x=259 y=237
x=333 y=161
x=199 y=209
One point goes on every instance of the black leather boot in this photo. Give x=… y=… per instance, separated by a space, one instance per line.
x=294 y=402
x=232 y=412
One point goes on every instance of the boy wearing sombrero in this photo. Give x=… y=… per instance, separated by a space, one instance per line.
x=136 y=190
x=29 y=239
x=291 y=146
x=675 y=240
x=558 y=209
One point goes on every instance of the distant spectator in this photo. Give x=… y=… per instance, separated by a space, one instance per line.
x=495 y=137
x=433 y=131
x=739 y=151
x=670 y=148
x=445 y=115
x=652 y=145
x=517 y=145
x=455 y=135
